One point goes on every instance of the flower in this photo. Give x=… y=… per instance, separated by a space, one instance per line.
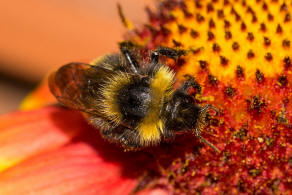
x=54 y=151
x=240 y=54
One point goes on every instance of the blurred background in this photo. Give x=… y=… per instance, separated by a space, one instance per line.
x=38 y=36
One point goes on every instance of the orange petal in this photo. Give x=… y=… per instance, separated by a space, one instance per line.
x=23 y=134
x=33 y=147
x=75 y=169
x=39 y=97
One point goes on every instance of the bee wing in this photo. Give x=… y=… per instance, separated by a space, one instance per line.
x=72 y=85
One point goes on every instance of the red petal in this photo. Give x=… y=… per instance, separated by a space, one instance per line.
x=24 y=134
x=32 y=145
x=74 y=169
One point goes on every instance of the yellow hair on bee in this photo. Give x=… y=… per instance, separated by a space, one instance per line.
x=108 y=61
x=99 y=59
x=109 y=102
x=151 y=125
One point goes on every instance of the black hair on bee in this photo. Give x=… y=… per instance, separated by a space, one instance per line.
x=132 y=103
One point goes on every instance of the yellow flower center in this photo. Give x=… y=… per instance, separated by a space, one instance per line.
x=232 y=36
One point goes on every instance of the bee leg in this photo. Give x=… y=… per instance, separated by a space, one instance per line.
x=203 y=115
x=110 y=134
x=201 y=124
x=107 y=130
x=208 y=106
x=167 y=52
x=190 y=82
x=125 y=48
x=130 y=139
x=197 y=131
x=168 y=135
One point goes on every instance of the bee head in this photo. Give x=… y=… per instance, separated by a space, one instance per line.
x=181 y=112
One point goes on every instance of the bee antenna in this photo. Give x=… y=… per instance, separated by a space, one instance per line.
x=207 y=142
x=123 y=18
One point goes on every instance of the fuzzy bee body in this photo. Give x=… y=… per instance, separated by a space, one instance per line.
x=131 y=103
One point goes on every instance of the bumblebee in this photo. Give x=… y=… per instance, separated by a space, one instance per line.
x=132 y=102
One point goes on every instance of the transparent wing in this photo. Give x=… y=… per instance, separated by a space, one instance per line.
x=77 y=86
